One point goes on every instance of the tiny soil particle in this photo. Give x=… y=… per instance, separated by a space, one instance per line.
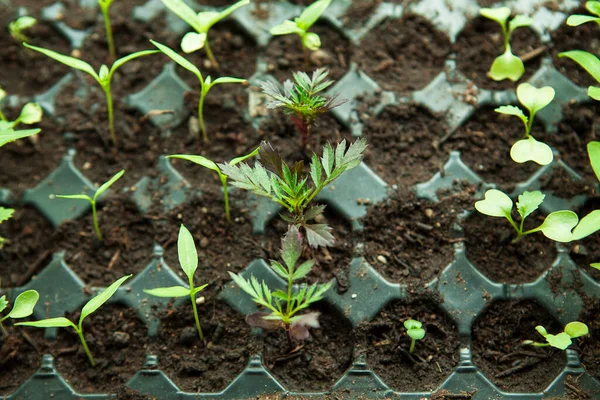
x=490 y=249
x=18 y=358
x=498 y=352
x=385 y=343
x=481 y=41
x=413 y=53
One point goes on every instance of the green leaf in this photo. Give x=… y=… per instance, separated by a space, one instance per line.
x=311 y=41
x=22 y=23
x=576 y=329
x=59 y=322
x=412 y=324
x=327 y=159
x=202 y=161
x=594 y=92
x=507 y=66
x=588 y=61
x=186 y=249
x=177 y=58
x=541 y=330
x=280 y=294
x=70 y=61
x=172 y=291
x=24 y=304
x=104 y=74
x=512 y=110
x=303 y=269
x=74 y=197
x=279 y=269
x=285 y=28
x=193 y=41
x=96 y=302
x=238 y=160
x=593 y=149
x=5 y=213
x=588 y=225
x=416 y=333
x=31 y=114
x=519 y=21
x=226 y=79
x=291 y=247
x=183 y=11
x=560 y=341
x=108 y=184
x=500 y=15
x=319 y=235
x=495 y=204
x=311 y=14
x=9 y=135
x=557 y=225
x=221 y=15
x=199 y=289
x=243 y=284
x=534 y=99
x=529 y=202
x=576 y=20
x=595 y=265
x=3 y=303
x=123 y=60
x=530 y=149
x=593 y=7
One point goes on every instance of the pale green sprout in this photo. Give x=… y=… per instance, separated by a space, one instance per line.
x=590 y=63
x=5 y=214
x=415 y=330
x=206 y=163
x=563 y=339
x=17 y=27
x=507 y=65
x=22 y=307
x=561 y=226
x=529 y=149
x=91 y=306
x=593 y=7
x=188 y=259
x=593 y=149
x=104 y=7
x=31 y=113
x=93 y=200
x=301 y=25
x=205 y=84
x=201 y=23
x=103 y=77
x=10 y=135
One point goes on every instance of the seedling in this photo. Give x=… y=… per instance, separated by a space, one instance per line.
x=22 y=308
x=5 y=214
x=562 y=340
x=188 y=259
x=301 y=25
x=561 y=226
x=91 y=306
x=300 y=99
x=31 y=113
x=205 y=84
x=93 y=200
x=593 y=7
x=289 y=187
x=104 y=7
x=206 y=163
x=10 y=135
x=103 y=77
x=16 y=27
x=201 y=22
x=506 y=66
x=534 y=99
x=591 y=64
x=284 y=316
x=593 y=149
x=415 y=331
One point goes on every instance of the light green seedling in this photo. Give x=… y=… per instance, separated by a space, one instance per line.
x=506 y=66
x=201 y=23
x=91 y=306
x=10 y=135
x=104 y=7
x=577 y=19
x=5 y=214
x=93 y=200
x=188 y=259
x=31 y=113
x=561 y=226
x=16 y=27
x=301 y=25
x=562 y=340
x=205 y=84
x=591 y=64
x=206 y=163
x=534 y=99
x=415 y=330
x=22 y=308
x=103 y=77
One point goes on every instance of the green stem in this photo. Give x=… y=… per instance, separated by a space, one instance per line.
x=109 y=35
x=288 y=306
x=2 y=117
x=111 y=117
x=85 y=347
x=226 y=197
x=201 y=115
x=211 y=56
x=96 y=226
x=196 y=312
x=412 y=346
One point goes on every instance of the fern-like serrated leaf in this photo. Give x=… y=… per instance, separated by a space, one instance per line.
x=319 y=235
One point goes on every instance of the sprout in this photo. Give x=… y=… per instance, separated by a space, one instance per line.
x=188 y=259
x=281 y=316
x=593 y=149
x=591 y=64
x=104 y=7
x=206 y=163
x=103 y=77
x=506 y=66
x=534 y=99
x=91 y=306
x=201 y=22
x=288 y=186
x=94 y=199
x=31 y=113
x=10 y=135
x=593 y=7
x=562 y=340
x=561 y=226
x=5 y=214
x=301 y=100
x=23 y=306
x=205 y=84
x=17 y=27
x=415 y=331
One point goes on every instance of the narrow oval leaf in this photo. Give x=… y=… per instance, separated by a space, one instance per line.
x=519 y=21
x=303 y=269
x=593 y=149
x=534 y=99
x=576 y=329
x=172 y=291
x=24 y=304
x=588 y=61
x=286 y=28
x=531 y=150
x=193 y=41
x=31 y=114
x=108 y=184
x=202 y=161
x=311 y=14
x=594 y=92
x=595 y=265
x=495 y=204
x=416 y=333
x=576 y=20
x=59 y=322
x=70 y=61
x=9 y=135
x=507 y=66
x=3 y=304
x=178 y=59
x=74 y=197
x=593 y=7
x=588 y=225
x=557 y=225
x=186 y=249
x=500 y=14
x=184 y=12
x=121 y=61
x=239 y=159
x=227 y=11
x=101 y=298
x=226 y=79
x=311 y=41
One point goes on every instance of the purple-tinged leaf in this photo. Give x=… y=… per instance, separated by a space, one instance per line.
x=257 y=320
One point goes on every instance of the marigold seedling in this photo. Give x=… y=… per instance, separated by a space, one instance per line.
x=93 y=200
x=206 y=163
x=205 y=84
x=91 y=306
x=301 y=100
x=561 y=226
x=506 y=66
x=562 y=340
x=534 y=99
x=10 y=135
x=103 y=77
x=5 y=214
x=31 y=113
x=289 y=187
x=104 y=7
x=284 y=306
x=201 y=23
x=188 y=259
x=415 y=330
x=17 y=27
x=22 y=307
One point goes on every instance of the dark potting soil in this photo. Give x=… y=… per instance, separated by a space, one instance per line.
x=385 y=343
x=498 y=352
x=18 y=359
x=490 y=249
x=587 y=251
x=562 y=184
x=317 y=363
x=481 y=41
x=589 y=346
x=412 y=55
x=359 y=13
x=411 y=241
